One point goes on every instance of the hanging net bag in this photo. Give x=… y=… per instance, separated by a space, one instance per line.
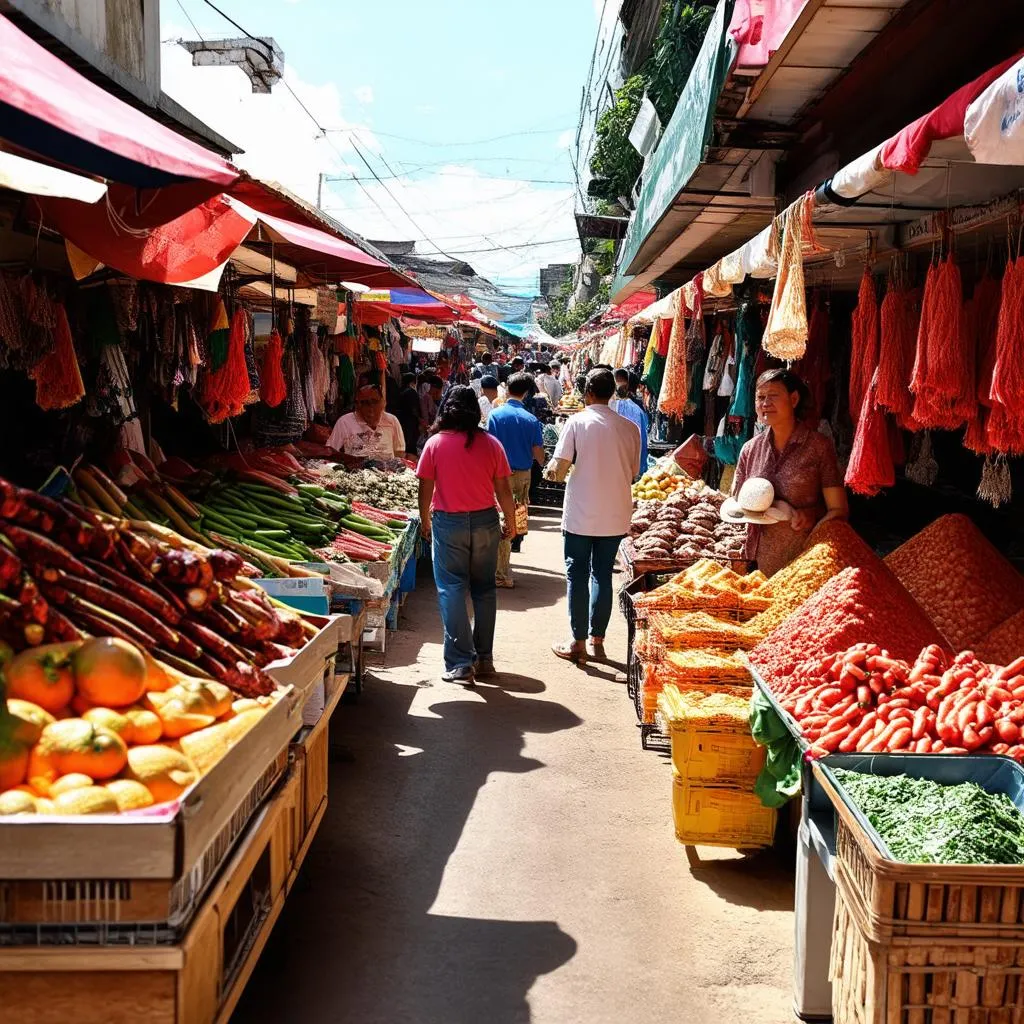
x=674 y=386
x=272 y=386
x=871 y=465
x=864 y=343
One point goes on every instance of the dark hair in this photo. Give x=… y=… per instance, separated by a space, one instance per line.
x=793 y=384
x=488 y=383
x=580 y=382
x=407 y=379
x=518 y=384
x=486 y=358
x=601 y=384
x=622 y=374
x=461 y=411
x=517 y=360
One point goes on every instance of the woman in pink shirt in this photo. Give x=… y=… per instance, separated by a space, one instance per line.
x=461 y=471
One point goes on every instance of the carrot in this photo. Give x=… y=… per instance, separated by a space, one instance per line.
x=1009 y=732
x=950 y=750
x=985 y=714
x=920 y=726
x=831 y=740
x=923 y=745
x=971 y=738
x=864 y=696
x=866 y=724
x=899 y=739
x=880 y=742
x=966 y=712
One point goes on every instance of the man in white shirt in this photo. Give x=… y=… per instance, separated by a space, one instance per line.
x=548 y=383
x=369 y=432
x=604 y=450
x=488 y=396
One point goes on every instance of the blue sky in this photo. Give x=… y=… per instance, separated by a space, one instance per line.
x=484 y=94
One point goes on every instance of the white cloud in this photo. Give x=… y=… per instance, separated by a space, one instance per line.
x=458 y=207
x=364 y=93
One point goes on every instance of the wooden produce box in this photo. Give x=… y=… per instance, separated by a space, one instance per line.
x=309 y=754
x=307 y=666
x=197 y=981
x=138 y=877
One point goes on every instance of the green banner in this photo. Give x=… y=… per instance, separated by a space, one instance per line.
x=685 y=140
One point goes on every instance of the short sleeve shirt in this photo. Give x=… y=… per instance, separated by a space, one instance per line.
x=799 y=474
x=518 y=431
x=354 y=436
x=605 y=451
x=463 y=477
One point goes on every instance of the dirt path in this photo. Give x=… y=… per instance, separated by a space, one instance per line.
x=506 y=855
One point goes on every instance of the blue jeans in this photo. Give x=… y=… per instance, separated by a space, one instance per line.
x=588 y=570
x=465 y=553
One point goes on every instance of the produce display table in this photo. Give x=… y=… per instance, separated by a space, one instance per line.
x=199 y=979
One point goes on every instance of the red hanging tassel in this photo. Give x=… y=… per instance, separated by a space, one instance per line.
x=226 y=389
x=896 y=352
x=865 y=342
x=57 y=376
x=870 y=467
x=273 y=390
x=943 y=379
x=1004 y=429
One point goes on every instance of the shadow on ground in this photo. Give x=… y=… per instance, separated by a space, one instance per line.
x=357 y=941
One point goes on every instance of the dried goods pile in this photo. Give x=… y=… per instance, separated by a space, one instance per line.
x=708 y=586
x=702 y=709
x=686 y=526
x=675 y=631
x=925 y=822
x=97 y=727
x=863 y=699
x=1004 y=643
x=961 y=581
x=859 y=604
x=832 y=547
x=386 y=490
x=706 y=670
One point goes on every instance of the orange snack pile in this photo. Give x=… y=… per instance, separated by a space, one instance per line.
x=962 y=582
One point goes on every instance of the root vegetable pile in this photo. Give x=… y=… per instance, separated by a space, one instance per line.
x=863 y=699
x=686 y=526
x=962 y=582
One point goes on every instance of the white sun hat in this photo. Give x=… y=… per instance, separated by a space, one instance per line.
x=756 y=504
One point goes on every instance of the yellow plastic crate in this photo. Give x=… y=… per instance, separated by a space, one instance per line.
x=720 y=816
x=714 y=754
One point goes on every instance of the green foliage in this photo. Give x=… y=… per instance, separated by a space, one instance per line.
x=681 y=32
x=615 y=163
x=562 y=320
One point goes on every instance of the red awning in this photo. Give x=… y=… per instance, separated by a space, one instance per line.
x=266 y=199
x=48 y=108
x=188 y=250
x=319 y=253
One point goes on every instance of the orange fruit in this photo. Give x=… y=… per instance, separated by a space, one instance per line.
x=146 y=725
x=110 y=673
x=43 y=675
x=75 y=745
x=35 y=718
x=166 y=773
x=130 y=794
x=190 y=705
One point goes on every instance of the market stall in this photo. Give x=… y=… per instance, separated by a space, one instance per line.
x=876 y=676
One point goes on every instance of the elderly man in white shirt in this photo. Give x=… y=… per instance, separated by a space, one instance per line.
x=604 y=450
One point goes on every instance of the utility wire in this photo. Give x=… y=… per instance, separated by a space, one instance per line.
x=268 y=56
x=445 y=145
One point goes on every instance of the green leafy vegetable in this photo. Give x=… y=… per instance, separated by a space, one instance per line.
x=925 y=822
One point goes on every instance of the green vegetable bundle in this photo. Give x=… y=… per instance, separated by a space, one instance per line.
x=925 y=822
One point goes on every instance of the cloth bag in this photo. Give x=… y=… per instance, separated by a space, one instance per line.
x=522 y=520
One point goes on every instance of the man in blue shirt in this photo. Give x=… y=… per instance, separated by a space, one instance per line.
x=631 y=409
x=522 y=437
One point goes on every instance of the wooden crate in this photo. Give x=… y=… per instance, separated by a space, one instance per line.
x=919 y=980
x=967 y=902
x=138 y=878
x=197 y=981
x=310 y=756
x=307 y=666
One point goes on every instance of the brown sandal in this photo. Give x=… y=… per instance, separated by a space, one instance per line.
x=576 y=653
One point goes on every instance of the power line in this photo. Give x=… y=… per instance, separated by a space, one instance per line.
x=188 y=17
x=450 y=174
x=445 y=145
x=268 y=56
